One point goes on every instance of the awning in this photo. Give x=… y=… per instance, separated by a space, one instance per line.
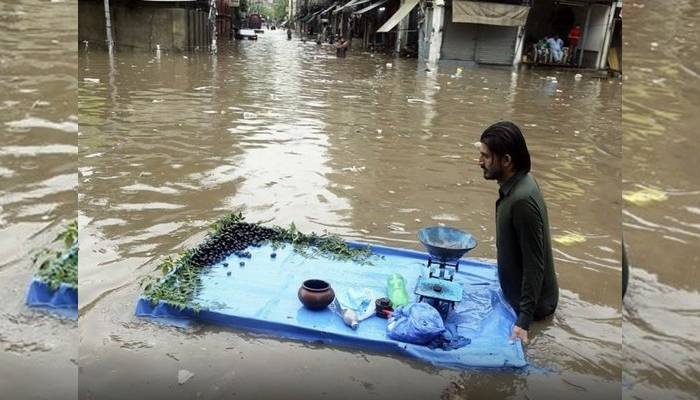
x=311 y=17
x=370 y=7
x=328 y=9
x=475 y=12
x=349 y=4
x=398 y=16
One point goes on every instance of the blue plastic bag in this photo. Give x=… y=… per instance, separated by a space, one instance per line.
x=417 y=323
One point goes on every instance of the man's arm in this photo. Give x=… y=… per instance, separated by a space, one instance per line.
x=530 y=230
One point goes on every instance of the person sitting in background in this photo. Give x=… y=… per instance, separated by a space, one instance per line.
x=541 y=49
x=555 y=45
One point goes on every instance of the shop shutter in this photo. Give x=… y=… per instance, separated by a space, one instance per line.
x=495 y=44
x=458 y=40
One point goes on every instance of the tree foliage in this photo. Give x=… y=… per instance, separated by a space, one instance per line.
x=279 y=10
x=263 y=9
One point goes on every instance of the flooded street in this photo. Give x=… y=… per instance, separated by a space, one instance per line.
x=38 y=189
x=286 y=132
x=369 y=147
x=661 y=92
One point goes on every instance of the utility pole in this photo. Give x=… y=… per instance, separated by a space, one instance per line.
x=436 y=33
x=108 y=25
x=402 y=31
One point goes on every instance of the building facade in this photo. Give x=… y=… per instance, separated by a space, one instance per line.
x=183 y=25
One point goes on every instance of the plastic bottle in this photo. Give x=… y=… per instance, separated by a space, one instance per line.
x=396 y=289
x=350 y=318
x=348 y=315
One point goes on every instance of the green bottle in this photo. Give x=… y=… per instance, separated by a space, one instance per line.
x=396 y=289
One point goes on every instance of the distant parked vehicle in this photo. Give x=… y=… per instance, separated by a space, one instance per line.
x=246 y=34
x=255 y=21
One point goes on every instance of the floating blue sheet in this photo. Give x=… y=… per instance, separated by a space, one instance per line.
x=262 y=297
x=62 y=301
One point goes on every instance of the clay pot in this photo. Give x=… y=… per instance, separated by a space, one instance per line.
x=316 y=294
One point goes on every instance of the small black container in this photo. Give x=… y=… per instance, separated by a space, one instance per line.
x=381 y=305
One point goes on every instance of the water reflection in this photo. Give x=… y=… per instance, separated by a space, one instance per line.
x=662 y=231
x=38 y=183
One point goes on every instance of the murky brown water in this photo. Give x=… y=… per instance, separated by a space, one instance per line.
x=661 y=93
x=288 y=133
x=38 y=183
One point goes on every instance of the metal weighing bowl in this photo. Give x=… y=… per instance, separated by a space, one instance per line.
x=446 y=244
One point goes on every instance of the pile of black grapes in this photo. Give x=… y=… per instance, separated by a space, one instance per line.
x=231 y=239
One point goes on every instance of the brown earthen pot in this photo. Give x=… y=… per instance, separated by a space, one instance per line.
x=316 y=294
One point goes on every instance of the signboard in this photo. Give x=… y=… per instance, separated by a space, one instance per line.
x=235 y=3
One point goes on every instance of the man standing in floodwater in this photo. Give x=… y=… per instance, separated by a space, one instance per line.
x=524 y=248
x=341 y=48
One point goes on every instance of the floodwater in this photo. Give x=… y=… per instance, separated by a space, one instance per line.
x=286 y=132
x=38 y=189
x=660 y=120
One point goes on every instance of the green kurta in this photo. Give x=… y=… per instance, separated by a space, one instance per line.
x=524 y=248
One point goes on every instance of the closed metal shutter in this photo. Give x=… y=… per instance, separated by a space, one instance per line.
x=458 y=40
x=496 y=44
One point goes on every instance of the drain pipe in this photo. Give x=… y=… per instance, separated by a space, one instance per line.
x=108 y=24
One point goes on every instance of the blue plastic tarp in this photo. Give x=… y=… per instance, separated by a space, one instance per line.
x=62 y=301
x=261 y=296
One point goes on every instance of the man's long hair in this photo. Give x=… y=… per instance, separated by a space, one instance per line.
x=505 y=138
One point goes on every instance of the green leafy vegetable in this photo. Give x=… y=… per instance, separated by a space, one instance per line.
x=58 y=267
x=231 y=235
